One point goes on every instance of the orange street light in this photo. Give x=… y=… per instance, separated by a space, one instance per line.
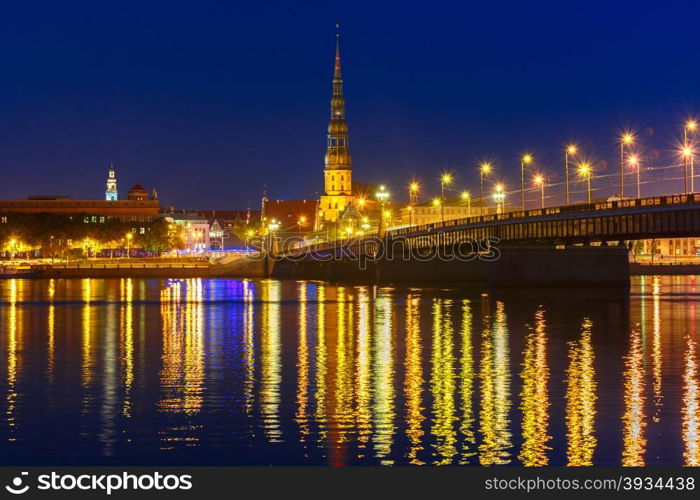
x=539 y=181
x=484 y=169
x=571 y=150
x=525 y=160
x=625 y=140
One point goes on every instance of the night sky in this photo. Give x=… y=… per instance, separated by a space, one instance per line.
x=210 y=101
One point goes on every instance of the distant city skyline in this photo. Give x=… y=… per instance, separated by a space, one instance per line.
x=208 y=108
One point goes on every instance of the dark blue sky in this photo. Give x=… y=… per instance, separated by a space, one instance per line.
x=209 y=101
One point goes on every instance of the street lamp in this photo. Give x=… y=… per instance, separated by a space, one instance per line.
x=499 y=197
x=445 y=180
x=688 y=153
x=539 y=181
x=301 y=221
x=272 y=227
x=525 y=160
x=584 y=169
x=382 y=195
x=129 y=237
x=634 y=161
x=466 y=197
x=412 y=200
x=483 y=170
x=626 y=139
x=690 y=126
x=571 y=150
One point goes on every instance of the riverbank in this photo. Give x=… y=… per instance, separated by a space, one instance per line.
x=667 y=269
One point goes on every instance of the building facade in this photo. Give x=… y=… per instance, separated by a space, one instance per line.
x=337 y=174
x=128 y=210
x=194 y=228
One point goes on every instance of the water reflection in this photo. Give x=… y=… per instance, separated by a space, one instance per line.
x=495 y=389
x=691 y=406
x=413 y=386
x=535 y=396
x=581 y=399
x=261 y=372
x=634 y=418
x=443 y=383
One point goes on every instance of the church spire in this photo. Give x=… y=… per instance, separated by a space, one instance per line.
x=338 y=153
x=338 y=163
x=337 y=75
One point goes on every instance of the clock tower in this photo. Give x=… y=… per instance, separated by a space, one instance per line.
x=111 y=194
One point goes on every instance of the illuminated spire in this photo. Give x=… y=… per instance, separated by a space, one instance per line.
x=337 y=75
x=338 y=153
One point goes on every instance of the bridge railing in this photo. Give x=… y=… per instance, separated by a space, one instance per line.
x=565 y=209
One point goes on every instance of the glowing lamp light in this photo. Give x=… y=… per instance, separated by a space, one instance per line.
x=436 y=202
x=527 y=158
x=633 y=160
x=413 y=187
x=691 y=125
x=486 y=167
x=465 y=195
x=382 y=194
x=687 y=152
x=539 y=180
x=572 y=149
x=446 y=179
x=627 y=138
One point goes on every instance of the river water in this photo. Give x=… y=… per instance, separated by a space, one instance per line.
x=235 y=372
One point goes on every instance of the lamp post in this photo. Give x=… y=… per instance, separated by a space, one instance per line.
x=690 y=126
x=445 y=180
x=466 y=197
x=382 y=195
x=483 y=170
x=688 y=153
x=634 y=161
x=129 y=237
x=584 y=170
x=437 y=203
x=539 y=181
x=625 y=140
x=499 y=197
x=525 y=160
x=412 y=200
x=571 y=149
x=272 y=227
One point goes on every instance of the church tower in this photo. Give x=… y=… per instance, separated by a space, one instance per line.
x=111 y=194
x=338 y=164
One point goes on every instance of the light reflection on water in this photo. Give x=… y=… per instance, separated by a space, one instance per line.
x=269 y=372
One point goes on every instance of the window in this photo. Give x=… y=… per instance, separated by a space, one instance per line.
x=142 y=230
x=3 y=220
